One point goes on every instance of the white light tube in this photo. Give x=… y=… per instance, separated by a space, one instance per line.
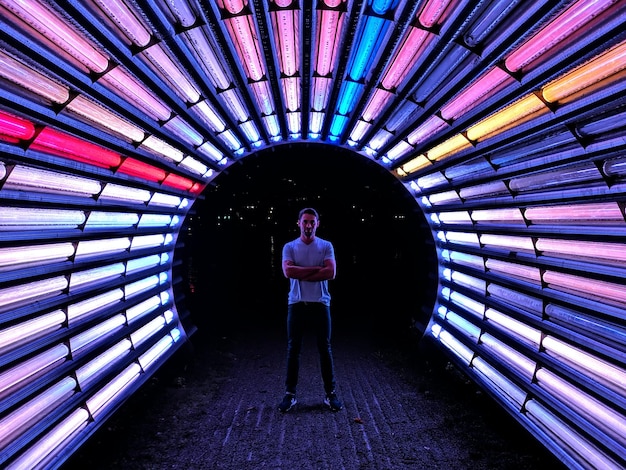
x=162 y=149
x=111 y=220
x=511 y=392
x=97 y=333
x=467 y=328
x=465 y=259
x=23 y=178
x=506 y=241
x=155 y=220
x=462 y=238
x=263 y=96
x=564 y=436
x=102 y=116
x=30 y=330
x=39 y=455
x=601 y=415
x=118 y=192
x=93 y=305
x=98 y=366
x=136 y=93
x=180 y=9
x=12 y=297
x=209 y=116
x=530 y=304
x=22 y=218
x=470 y=282
x=250 y=130
x=610 y=375
x=97 y=403
x=183 y=131
x=143 y=308
x=454 y=345
x=205 y=51
x=11 y=257
x=514 y=328
x=455 y=217
x=484 y=190
x=34 y=411
x=514 y=360
x=235 y=104
x=528 y=273
x=32 y=80
x=166 y=200
x=155 y=352
x=470 y=305
x=143 y=285
x=96 y=276
x=147 y=241
x=26 y=371
x=142 y=334
x=194 y=165
x=210 y=151
x=88 y=248
x=141 y=264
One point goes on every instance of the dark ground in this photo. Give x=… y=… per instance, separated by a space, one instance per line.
x=213 y=406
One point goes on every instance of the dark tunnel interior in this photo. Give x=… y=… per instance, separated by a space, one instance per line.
x=232 y=242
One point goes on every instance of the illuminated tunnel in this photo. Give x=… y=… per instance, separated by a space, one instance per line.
x=504 y=120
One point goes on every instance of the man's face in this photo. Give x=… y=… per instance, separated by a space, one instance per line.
x=308 y=224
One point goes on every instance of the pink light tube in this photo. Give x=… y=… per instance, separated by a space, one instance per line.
x=126 y=20
x=433 y=125
x=594 y=214
x=528 y=273
x=612 y=252
x=376 y=104
x=16 y=128
x=330 y=26
x=407 y=55
x=556 y=32
x=243 y=34
x=606 y=292
x=475 y=93
x=432 y=12
x=286 y=31
x=59 y=32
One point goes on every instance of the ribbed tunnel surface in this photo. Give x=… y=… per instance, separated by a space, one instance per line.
x=404 y=409
x=504 y=121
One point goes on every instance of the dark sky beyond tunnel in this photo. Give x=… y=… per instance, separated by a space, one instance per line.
x=386 y=268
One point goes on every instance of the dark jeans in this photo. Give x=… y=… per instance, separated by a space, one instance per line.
x=300 y=316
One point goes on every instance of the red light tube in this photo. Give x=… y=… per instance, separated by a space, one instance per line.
x=64 y=145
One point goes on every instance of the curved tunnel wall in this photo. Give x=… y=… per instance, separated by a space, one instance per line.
x=505 y=120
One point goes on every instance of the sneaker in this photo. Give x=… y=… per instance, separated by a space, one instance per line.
x=289 y=401
x=333 y=402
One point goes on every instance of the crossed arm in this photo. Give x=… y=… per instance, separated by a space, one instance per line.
x=310 y=273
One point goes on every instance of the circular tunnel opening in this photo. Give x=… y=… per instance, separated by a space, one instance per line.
x=232 y=243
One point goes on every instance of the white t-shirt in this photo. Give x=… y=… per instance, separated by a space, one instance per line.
x=313 y=254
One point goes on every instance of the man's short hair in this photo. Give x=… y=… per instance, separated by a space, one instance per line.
x=308 y=210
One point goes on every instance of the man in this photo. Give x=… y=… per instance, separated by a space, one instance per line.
x=309 y=263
